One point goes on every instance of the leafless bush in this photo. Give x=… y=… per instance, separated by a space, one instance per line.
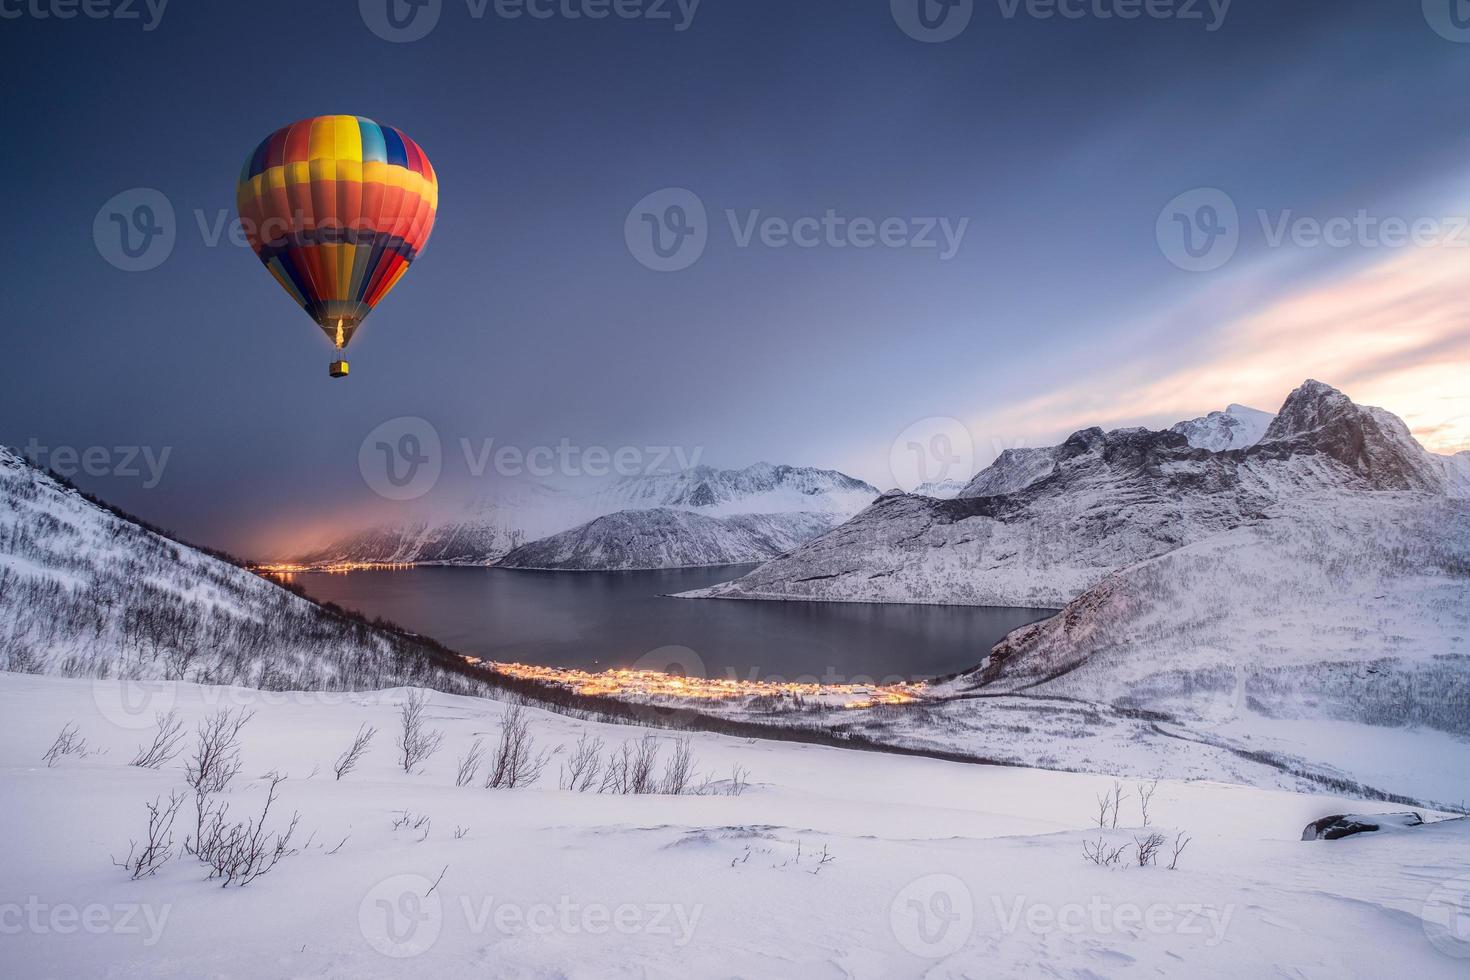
x=67 y=743
x=416 y=742
x=515 y=764
x=615 y=776
x=239 y=853
x=1104 y=807
x=823 y=859
x=460 y=832
x=216 y=758
x=416 y=822
x=739 y=780
x=167 y=734
x=1180 y=843
x=1148 y=848
x=581 y=770
x=1118 y=797
x=679 y=769
x=640 y=773
x=469 y=764
x=1146 y=793
x=1101 y=853
x=158 y=846
x=348 y=760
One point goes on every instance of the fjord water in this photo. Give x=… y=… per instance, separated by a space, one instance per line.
x=596 y=620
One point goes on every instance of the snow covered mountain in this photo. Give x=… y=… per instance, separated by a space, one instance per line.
x=1235 y=428
x=87 y=592
x=1041 y=526
x=668 y=538
x=941 y=489
x=797 y=500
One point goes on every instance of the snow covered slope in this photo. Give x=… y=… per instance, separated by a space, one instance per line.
x=1235 y=428
x=667 y=538
x=1349 y=607
x=86 y=592
x=832 y=863
x=516 y=513
x=1040 y=526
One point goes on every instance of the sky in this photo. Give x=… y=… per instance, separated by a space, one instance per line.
x=1016 y=225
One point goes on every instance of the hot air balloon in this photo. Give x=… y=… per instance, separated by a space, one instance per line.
x=338 y=207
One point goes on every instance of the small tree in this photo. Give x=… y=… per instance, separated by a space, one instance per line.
x=580 y=772
x=67 y=743
x=1146 y=793
x=515 y=763
x=158 y=844
x=1148 y=848
x=679 y=770
x=348 y=760
x=167 y=734
x=416 y=741
x=1180 y=843
x=469 y=765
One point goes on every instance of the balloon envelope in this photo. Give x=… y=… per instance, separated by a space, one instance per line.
x=338 y=207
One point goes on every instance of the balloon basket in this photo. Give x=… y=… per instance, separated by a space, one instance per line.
x=338 y=369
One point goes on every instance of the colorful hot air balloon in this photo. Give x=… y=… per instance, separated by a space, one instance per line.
x=337 y=207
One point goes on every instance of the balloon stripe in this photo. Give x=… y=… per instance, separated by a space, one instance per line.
x=337 y=208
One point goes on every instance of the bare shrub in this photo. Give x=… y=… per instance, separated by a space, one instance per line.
x=167 y=734
x=416 y=741
x=1118 y=797
x=679 y=769
x=739 y=780
x=515 y=764
x=216 y=758
x=469 y=764
x=1104 y=807
x=1181 y=841
x=418 y=823
x=239 y=853
x=641 y=779
x=348 y=760
x=1147 y=848
x=1101 y=853
x=1146 y=793
x=615 y=776
x=580 y=771
x=158 y=845
x=68 y=742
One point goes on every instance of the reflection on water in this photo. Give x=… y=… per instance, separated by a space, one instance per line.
x=595 y=620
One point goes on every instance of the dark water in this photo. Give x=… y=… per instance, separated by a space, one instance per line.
x=595 y=620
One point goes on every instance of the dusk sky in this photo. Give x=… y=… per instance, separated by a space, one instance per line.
x=1049 y=151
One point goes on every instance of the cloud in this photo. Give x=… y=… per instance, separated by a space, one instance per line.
x=1395 y=333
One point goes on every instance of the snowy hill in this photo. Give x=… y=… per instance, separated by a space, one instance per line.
x=667 y=538
x=86 y=592
x=1235 y=428
x=517 y=513
x=830 y=863
x=1344 y=607
x=1041 y=526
